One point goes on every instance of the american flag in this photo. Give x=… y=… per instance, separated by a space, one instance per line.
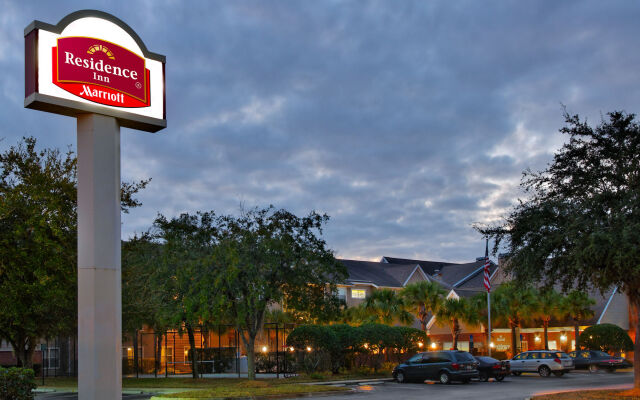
x=487 y=265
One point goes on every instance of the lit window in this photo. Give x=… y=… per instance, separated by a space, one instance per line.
x=358 y=293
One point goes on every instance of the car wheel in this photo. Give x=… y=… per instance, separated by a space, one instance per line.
x=484 y=376
x=517 y=373
x=499 y=378
x=593 y=368
x=400 y=377
x=444 y=378
x=544 y=371
x=611 y=370
x=558 y=373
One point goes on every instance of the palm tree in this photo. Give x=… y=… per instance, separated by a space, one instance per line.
x=384 y=306
x=450 y=313
x=513 y=304
x=423 y=298
x=549 y=305
x=577 y=305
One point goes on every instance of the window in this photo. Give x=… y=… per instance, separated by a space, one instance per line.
x=168 y=354
x=520 y=357
x=533 y=356
x=342 y=293
x=52 y=358
x=415 y=359
x=463 y=356
x=358 y=293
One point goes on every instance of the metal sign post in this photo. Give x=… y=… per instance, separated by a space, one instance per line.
x=94 y=67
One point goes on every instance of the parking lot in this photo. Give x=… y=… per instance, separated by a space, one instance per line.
x=511 y=388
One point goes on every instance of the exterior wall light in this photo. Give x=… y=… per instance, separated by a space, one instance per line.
x=491 y=345
x=308 y=348
x=264 y=349
x=420 y=344
x=537 y=339
x=434 y=345
x=291 y=349
x=563 y=337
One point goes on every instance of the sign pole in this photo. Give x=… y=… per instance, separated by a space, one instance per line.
x=99 y=285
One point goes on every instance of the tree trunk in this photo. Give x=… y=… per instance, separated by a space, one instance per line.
x=135 y=351
x=192 y=345
x=423 y=317
x=249 y=343
x=513 y=340
x=576 y=334
x=23 y=350
x=158 y=354
x=636 y=346
x=545 y=324
x=454 y=333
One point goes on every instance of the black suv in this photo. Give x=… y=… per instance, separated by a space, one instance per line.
x=443 y=366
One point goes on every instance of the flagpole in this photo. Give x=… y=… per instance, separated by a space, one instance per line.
x=489 y=314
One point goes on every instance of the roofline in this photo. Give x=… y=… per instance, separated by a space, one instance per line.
x=413 y=272
x=607 y=305
x=466 y=278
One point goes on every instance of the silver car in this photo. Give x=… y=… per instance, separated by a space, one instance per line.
x=544 y=362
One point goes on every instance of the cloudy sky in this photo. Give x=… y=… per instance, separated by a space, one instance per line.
x=405 y=121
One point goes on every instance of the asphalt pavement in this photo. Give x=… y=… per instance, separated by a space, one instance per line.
x=512 y=388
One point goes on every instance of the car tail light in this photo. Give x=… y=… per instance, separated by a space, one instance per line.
x=496 y=366
x=557 y=360
x=455 y=366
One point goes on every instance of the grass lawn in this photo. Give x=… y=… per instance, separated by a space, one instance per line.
x=208 y=383
x=592 y=395
x=235 y=388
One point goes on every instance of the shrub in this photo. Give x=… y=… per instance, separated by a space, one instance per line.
x=605 y=337
x=17 y=383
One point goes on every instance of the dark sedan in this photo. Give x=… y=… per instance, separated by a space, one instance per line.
x=491 y=368
x=443 y=366
x=595 y=359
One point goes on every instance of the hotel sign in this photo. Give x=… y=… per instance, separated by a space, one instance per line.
x=92 y=62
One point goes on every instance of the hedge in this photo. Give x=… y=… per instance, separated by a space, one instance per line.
x=17 y=383
x=605 y=337
x=342 y=346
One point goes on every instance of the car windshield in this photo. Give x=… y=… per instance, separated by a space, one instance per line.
x=463 y=356
x=600 y=354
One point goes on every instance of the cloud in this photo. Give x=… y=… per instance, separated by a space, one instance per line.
x=405 y=122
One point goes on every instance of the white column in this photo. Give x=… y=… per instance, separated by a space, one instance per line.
x=99 y=285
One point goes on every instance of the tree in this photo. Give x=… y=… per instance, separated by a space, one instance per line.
x=267 y=256
x=513 y=304
x=549 y=305
x=186 y=245
x=606 y=337
x=580 y=223
x=452 y=312
x=423 y=298
x=38 y=244
x=384 y=306
x=577 y=305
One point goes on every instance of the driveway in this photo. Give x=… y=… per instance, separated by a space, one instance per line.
x=513 y=387
x=74 y=396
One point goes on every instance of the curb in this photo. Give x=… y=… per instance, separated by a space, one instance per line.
x=349 y=382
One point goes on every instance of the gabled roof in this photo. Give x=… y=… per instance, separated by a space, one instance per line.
x=377 y=273
x=429 y=267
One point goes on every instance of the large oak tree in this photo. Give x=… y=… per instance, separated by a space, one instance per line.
x=580 y=223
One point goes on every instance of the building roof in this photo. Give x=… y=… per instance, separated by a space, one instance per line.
x=428 y=267
x=377 y=273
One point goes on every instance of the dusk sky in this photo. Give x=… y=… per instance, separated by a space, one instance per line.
x=405 y=121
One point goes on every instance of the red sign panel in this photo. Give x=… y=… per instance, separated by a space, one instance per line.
x=101 y=72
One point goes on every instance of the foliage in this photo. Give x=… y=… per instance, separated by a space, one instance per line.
x=452 y=312
x=549 y=304
x=577 y=305
x=17 y=383
x=512 y=303
x=606 y=337
x=38 y=244
x=423 y=299
x=267 y=256
x=580 y=225
x=383 y=306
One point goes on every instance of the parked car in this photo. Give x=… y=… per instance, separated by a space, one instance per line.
x=443 y=366
x=491 y=368
x=543 y=362
x=595 y=359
